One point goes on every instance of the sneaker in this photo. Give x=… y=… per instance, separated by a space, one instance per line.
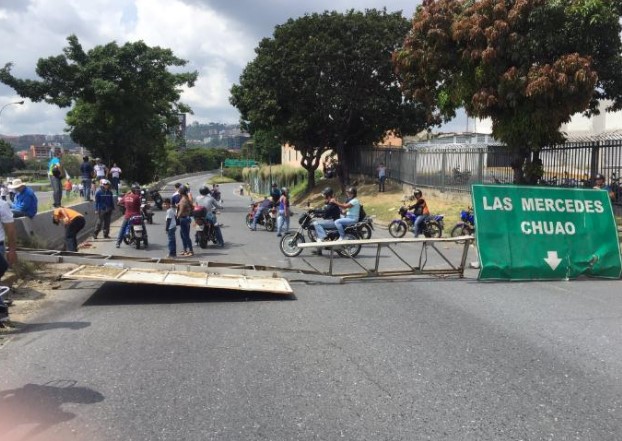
x=171 y=256
x=279 y=235
x=94 y=235
x=118 y=245
x=106 y=236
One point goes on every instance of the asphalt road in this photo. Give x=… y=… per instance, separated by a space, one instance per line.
x=437 y=359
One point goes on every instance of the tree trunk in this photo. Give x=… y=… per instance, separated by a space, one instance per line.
x=310 y=162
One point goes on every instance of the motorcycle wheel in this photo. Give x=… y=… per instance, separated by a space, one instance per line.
x=249 y=220
x=312 y=234
x=349 y=250
x=202 y=240
x=433 y=229
x=146 y=242
x=127 y=239
x=289 y=244
x=269 y=224
x=365 y=231
x=398 y=228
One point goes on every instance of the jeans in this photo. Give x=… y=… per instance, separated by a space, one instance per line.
x=258 y=214
x=18 y=213
x=86 y=183
x=103 y=222
x=71 y=233
x=341 y=224
x=172 y=241
x=184 y=232
x=282 y=223
x=115 y=185
x=381 y=180
x=57 y=190
x=417 y=226
x=321 y=225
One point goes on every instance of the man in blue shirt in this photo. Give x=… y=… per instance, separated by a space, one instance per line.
x=55 y=173
x=25 y=203
x=86 y=173
x=104 y=204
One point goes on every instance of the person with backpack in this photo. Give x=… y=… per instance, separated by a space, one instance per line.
x=329 y=213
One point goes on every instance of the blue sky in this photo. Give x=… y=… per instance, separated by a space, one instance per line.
x=218 y=39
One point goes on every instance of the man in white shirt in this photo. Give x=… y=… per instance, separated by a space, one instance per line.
x=8 y=241
x=100 y=169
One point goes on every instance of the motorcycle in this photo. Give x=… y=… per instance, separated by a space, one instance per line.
x=289 y=241
x=365 y=227
x=432 y=226
x=135 y=232
x=156 y=198
x=145 y=207
x=206 y=231
x=466 y=225
x=460 y=177
x=268 y=219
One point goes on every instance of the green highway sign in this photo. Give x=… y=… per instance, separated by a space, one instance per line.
x=240 y=163
x=545 y=233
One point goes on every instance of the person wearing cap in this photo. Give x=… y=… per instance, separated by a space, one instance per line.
x=104 y=205
x=101 y=171
x=55 y=173
x=73 y=222
x=86 y=175
x=25 y=202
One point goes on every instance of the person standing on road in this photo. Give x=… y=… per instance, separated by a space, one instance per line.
x=55 y=173
x=8 y=249
x=184 y=209
x=73 y=222
x=86 y=174
x=115 y=176
x=382 y=176
x=104 y=205
x=282 y=222
x=170 y=228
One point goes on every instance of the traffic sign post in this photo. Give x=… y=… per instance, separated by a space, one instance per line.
x=545 y=233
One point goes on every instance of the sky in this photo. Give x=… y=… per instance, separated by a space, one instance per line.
x=217 y=37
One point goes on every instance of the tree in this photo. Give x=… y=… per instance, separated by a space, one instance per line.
x=528 y=65
x=325 y=81
x=7 y=158
x=124 y=99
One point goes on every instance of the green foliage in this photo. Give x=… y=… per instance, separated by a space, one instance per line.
x=325 y=81
x=71 y=164
x=234 y=174
x=529 y=65
x=125 y=101
x=177 y=162
x=7 y=158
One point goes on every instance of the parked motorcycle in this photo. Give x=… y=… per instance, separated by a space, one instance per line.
x=289 y=241
x=206 y=231
x=432 y=227
x=156 y=198
x=460 y=177
x=145 y=207
x=267 y=219
x=466 y=225
x=135 y=232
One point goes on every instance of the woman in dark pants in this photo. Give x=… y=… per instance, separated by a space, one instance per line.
x=73 y=222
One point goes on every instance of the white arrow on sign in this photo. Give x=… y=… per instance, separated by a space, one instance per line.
x=553 y=259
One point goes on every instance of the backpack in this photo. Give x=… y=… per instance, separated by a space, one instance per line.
x=362 y=214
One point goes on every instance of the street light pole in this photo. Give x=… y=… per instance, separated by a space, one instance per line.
x=8 y=104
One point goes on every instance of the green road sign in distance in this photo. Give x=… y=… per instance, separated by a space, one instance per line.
x=545 y=233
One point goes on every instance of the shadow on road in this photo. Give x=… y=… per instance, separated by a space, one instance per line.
x=38 y=407
x=37 y=327
x=112 y=293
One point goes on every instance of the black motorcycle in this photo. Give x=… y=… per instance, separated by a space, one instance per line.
x=267 y=219
x=145 y=207
x=205 y=230
x=135 y=233
x=156 y=198
x=289 y=241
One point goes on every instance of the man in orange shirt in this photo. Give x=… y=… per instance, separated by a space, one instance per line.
x=73 y=222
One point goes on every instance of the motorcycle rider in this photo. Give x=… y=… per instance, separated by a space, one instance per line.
x=329 y=213
x=353 y=211
x=131 y=201
x=260 y=211
x=420 y=208
x=211 y=204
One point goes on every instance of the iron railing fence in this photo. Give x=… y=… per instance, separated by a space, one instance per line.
x=454 y=167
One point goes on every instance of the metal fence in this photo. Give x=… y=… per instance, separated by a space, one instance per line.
x=454 y=167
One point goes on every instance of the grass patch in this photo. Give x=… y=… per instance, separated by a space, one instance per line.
x=25 y=269
x=67 y=201
x=220 y=180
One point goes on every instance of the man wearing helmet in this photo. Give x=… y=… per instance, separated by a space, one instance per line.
x=206 y=200
x=422 y=211
x=104 y=204
x=353 y=210
x=600 y=185
x=131 y=202
x=330 y=212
